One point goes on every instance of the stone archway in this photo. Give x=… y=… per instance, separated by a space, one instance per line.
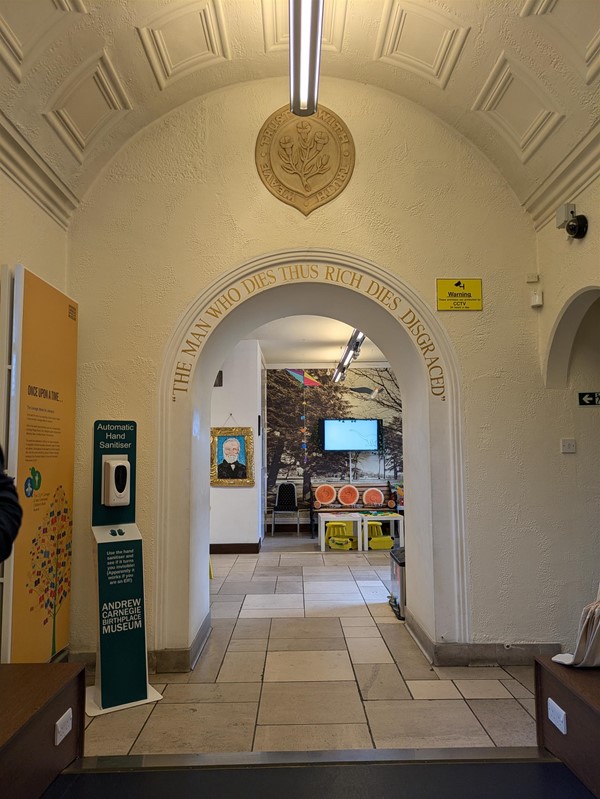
x=406 y=330
x=562 y=336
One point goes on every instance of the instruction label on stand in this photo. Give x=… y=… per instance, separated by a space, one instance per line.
x=122 y=652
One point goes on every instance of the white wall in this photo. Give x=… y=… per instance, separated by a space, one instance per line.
x=30 y=237
x=166 y=220
x=235 y=512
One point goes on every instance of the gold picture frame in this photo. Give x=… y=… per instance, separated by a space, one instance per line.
x=231 y=467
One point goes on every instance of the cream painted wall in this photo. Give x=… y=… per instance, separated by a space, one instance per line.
x=182 y=205
x=566 y=265
x=235 y=512
x=30 y=237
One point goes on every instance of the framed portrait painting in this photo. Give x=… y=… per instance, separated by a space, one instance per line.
x=231 y=456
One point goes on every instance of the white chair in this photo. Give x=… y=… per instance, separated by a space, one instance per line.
x=286 y=502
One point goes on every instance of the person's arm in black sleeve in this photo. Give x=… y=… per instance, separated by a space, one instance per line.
x=10 y=512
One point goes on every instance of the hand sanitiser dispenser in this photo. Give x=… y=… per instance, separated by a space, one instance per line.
x=116 y=480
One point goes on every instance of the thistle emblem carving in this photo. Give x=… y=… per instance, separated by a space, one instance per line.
x=305 y=162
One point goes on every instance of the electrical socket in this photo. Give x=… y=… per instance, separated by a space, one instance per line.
x=63 y=726
x=557 y=716
x=567 y=445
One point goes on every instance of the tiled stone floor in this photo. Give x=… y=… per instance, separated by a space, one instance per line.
x=306 y=654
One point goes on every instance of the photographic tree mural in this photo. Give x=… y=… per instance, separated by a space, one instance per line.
x=50 y=575
x=389 y=402
x=365 y=393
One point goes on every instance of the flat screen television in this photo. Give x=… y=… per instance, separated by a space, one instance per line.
x=353 y=435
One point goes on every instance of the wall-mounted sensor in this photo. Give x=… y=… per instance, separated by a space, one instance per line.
x=116 y=480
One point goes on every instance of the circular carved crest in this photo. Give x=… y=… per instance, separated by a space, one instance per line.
x=305 y=161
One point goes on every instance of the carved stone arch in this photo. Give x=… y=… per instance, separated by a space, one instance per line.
x=562 y=336
x=345 y=287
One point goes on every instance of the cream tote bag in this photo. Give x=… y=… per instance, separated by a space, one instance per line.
x=587 y=648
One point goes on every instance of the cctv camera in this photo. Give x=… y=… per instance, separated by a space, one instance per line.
x=577 y=226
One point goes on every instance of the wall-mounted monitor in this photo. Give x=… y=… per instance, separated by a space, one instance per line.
x=352 y=435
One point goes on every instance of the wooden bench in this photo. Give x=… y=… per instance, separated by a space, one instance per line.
x=390 y=499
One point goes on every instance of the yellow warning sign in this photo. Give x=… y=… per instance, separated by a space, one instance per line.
x=459 y=294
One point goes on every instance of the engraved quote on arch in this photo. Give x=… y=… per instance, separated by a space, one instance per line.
x=261 y=280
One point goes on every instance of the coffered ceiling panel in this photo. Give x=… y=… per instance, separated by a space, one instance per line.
x=182 y=41
x=89 y=103
x=27 y=27
x=277 y=27
x=575 y=26
x=519 y=78
x=517 y=107
x=420 y=40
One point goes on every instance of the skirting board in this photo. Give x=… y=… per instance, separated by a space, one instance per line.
x=160 y=660
x=235 y=549
x=460 y=654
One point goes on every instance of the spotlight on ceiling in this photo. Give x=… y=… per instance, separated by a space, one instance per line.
x=351 y=351
x=306 y=23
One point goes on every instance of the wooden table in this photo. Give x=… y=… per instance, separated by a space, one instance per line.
x=33 y=697
x=577 y=692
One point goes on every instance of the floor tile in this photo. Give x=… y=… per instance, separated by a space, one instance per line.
x=212 y=692
x=330 y=609
x=289 y=586
x=197 y=728
x=345 y=587
x=306 y=628
x=368 y=650
x=341 y=599
x=506 y=721
x=115 y=733
x=358 y=623
x=307 y=737
x=421 y=723
x=362 y=632
x=248 y=645
x=300 y=666
x=273 y=613
x=273 y=601
x=227 y=598
x=528 y=704
x=380 y=681
x=433 y=689
x=251 y=628
x=248 y=587
x=225 y=610
x=311 y=703
x=524 y=674
x=412 y=662
x=212 y=655
x=470 y=672
x=242 y=667
x=516 y=689
x=482 y=689
x=306 y=644
x=175 y=676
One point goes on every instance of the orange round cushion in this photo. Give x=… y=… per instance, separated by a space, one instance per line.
x=348 y=495
x=373 y=496
x=325 y=494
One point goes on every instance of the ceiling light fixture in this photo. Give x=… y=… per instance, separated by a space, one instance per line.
x=351 y=351
x=306 y=23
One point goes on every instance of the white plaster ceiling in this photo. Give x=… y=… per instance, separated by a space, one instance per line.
x=520 y=78
x=306 y=342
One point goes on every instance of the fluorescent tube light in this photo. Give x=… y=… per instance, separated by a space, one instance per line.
x=306 y=23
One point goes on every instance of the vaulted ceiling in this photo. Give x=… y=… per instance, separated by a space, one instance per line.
x=519 y=78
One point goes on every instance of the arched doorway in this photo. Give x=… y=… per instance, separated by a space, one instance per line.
x=406 y=330
x=562 y=336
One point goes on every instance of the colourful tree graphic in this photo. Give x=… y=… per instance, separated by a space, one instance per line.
x=51 y=551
